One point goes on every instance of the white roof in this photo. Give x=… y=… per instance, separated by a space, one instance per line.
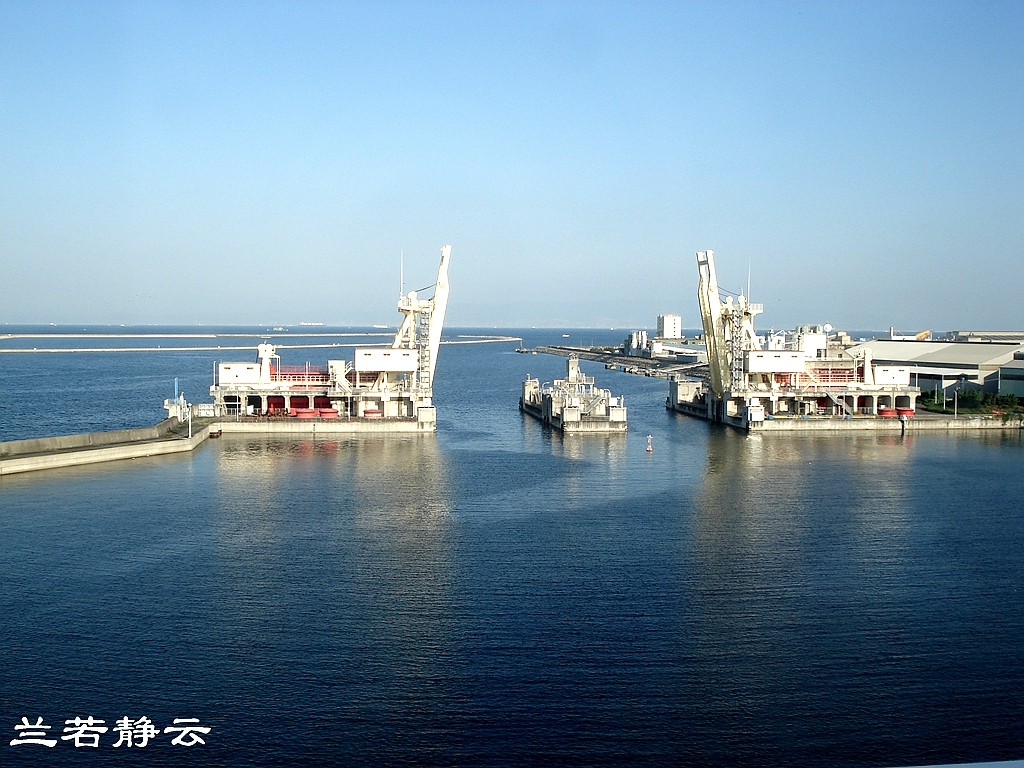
x=940 y=353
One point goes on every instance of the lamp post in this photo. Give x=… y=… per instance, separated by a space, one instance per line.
x=960 y=382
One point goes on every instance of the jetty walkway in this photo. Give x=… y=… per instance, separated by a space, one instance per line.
x=643 y=366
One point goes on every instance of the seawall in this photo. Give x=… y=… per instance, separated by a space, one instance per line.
x=87 y=440
x=19 y=456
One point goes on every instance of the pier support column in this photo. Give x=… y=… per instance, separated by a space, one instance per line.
x=866 y=404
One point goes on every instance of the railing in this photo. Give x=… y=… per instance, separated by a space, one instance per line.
x=301 y=374
x=826 y=376
x=302 y=378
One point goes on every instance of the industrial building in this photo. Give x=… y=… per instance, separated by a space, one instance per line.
x=941 y=364
x=1016 y=337
x=1011 y=376
x=636 y=344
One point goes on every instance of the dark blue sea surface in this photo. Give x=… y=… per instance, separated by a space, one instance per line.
x=500 y=594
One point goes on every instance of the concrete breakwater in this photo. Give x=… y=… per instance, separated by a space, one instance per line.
x=167 y=437
x=644 y=366
x=87 y=440
x=18 y=456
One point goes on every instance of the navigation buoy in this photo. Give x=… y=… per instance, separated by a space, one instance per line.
x=650 y=446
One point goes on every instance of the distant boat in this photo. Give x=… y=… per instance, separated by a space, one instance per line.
x=378 y=325
x=565 y=335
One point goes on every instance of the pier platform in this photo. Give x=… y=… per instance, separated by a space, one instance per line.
x=574 y=404
x=642 y=366
x=922 y=422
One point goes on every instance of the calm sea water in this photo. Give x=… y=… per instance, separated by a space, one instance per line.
x=502 y=595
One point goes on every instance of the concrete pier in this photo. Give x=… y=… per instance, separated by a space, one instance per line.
x=574 y=404
x=19 y=456
x=603 y=426
x=91 y=448
x=922 y=422
x=643 y=366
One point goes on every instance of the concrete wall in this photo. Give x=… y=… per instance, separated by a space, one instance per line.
x=390 y=360
x=891 y=375
x=238 y=373
x=870 y=424
x=95 y=455
x=885 y=425
x=88 y=440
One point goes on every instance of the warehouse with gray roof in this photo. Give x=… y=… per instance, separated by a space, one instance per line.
x=940 y=364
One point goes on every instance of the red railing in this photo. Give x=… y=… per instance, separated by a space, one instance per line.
x=312 y=374
x=827 y=376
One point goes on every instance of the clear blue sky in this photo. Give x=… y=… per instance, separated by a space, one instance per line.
x=267 y=163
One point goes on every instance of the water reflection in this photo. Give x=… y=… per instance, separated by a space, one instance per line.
x=351 y=539
x=770 y=488
x=792 y=536
x=595 y=465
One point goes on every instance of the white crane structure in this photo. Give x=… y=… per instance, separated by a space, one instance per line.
x=387 y=388
x=424 y=320
x=752 y=381
x=728 y=327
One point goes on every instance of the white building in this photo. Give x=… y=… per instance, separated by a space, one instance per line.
x=670 y=327
x=635 y=344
